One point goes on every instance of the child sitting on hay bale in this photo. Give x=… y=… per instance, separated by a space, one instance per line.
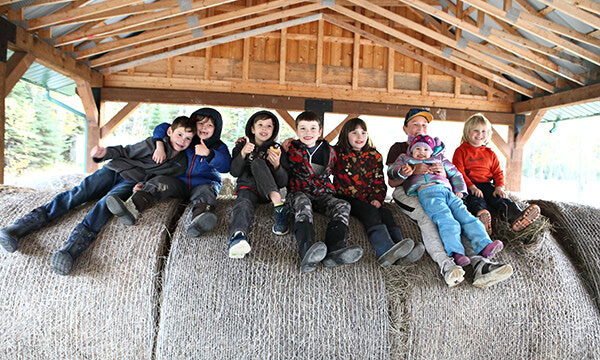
x=481 y=171
x=130 y=165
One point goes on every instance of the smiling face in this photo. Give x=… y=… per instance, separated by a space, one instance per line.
x=479 y=135
x=357 y=138
x=180 y=138
x=421 y=152
x=416 y=126
x=262 y=130
x=309 y=132
x=205 y=128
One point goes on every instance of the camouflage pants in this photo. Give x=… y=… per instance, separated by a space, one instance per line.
x=302 y=204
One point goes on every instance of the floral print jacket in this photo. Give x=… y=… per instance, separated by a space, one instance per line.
x=359 y=174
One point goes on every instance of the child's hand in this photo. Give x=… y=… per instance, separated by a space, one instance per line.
x=240 y=139
x=406 y=170
x=98 y=152
x=499 y=192
x=475 y=191
x=138 y=187
x=286 y=144
x=436 y=168
x=376 y=203
x=459 y=194
x=202 y=149
x=159 y=154
x=248 y=147
x=274 y=157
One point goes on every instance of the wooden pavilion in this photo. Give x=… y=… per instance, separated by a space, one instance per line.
x=512 y=60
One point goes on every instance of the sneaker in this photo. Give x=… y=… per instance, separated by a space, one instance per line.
x=488 y=274
x=454 y=276
x=527 y=216
x=461 y=259
x=281 y=220
x=124 y=210
x=492 y=249
x=238 y=245
x=486 y=219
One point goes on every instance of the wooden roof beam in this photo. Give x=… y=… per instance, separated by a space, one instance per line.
x=182 y=28
x=566 y=98
x=530 y=23
x=591 y=6
x=406 y=51
x=431 y=49
x=213 y=42
x=116 y=56
x=496 y=39
x=52 y=58
x=126 y=24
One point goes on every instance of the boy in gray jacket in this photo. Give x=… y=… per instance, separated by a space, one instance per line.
x=130 y=165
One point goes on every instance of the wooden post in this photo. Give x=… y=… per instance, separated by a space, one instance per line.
x=2 y=118
x=84 y=90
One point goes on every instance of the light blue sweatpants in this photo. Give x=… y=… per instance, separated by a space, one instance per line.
x=449 y=213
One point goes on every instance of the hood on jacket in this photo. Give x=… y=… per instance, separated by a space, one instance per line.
x=250 y=122
x=218 y=122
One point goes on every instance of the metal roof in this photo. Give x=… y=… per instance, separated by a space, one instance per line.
x=573 y=112
x=48 y=79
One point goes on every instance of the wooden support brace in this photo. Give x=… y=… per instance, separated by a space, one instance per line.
x=335 y=132
x=16 y=66
x=289 y=119
x=2 y=118
x=123 y=114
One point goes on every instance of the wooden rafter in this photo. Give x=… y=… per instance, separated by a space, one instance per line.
x=405 y=50
x=16 y=66
x=566 y=98
x=581 y=15
x=177 y=29
x=116 y=56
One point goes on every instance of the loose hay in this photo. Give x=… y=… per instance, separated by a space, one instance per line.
x=577 y=229
x=105 y=310
x=261 y=307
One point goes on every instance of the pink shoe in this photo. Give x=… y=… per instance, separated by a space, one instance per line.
x=492 y=249
x=461 y=260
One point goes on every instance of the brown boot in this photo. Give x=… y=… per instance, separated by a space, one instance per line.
x=203 y=220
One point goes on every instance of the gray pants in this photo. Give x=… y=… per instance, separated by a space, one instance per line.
x=162 y=187
x=302 y=207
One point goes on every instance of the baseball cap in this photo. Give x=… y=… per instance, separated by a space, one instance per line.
x=417 y=112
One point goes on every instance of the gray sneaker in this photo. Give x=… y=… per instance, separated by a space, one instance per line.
x=488 y=274
x=454 y=275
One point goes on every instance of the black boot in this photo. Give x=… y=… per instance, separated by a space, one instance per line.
x=129 y=211
x=79 y=240
x=203 y=220
x=311 y=253
x=337 y=251
x=10 y=235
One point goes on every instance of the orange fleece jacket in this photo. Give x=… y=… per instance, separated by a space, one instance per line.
x=478 y=164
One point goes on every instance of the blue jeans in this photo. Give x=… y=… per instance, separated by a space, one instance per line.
x=449 y=213
x=99 y=185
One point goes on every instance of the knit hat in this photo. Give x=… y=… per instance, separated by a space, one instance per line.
x=417 y=112
x=422 y=140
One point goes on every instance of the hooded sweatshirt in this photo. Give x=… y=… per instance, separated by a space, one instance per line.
x=240 y=167
x=204 y=169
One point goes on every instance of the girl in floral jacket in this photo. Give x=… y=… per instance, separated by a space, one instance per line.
x=358 y=178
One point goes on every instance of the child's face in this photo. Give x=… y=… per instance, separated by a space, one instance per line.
x=309 y=132
x=262 y=130
x=479 y=135
x=180 y=138
x=416 y=126
x=205 y=128
x=357 y=138
x=421 y=152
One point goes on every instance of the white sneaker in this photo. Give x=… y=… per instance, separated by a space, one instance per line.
x=454 y=275
x=238 y=248
x=488 y=274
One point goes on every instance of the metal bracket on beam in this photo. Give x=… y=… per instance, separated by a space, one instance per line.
x=318 y=106
x=8 y=32
x=485 y=30
x=462 y=43
x=447 y=52
x=513 y=13
x=184 y=5
x=519 y=123
x=328 y=2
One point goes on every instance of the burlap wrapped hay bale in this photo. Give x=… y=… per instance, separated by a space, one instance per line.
x=261 y=307
x=105 y=310
x=577 y=230
x=541 y=312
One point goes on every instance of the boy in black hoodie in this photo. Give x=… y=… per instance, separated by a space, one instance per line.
x=257 y=165
x=131 y=164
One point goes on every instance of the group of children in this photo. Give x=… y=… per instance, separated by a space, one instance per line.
x=185 y=159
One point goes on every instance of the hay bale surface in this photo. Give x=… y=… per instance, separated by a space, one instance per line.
x=577 y=230
x=105 y=310
x=261 y=307
x=541 y=312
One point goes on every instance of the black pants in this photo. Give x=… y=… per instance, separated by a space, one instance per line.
x=499 y=205
x=368 y=214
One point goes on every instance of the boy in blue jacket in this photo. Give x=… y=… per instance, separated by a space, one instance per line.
x=207 y=157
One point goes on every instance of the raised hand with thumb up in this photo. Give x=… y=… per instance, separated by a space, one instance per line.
x=202 y=149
